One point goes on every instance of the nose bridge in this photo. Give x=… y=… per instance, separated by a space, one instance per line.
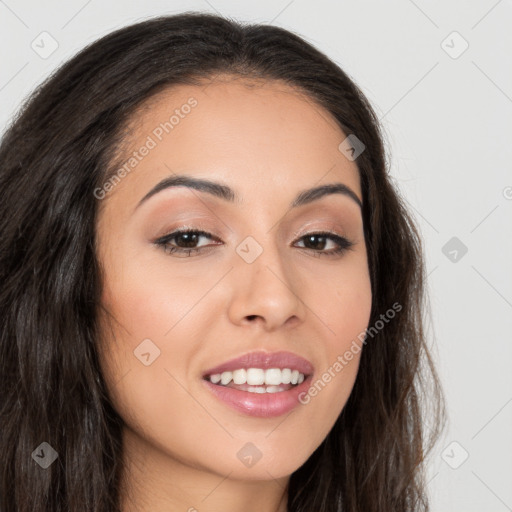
x=268 y=264
x=261 y=251
x=264 y=285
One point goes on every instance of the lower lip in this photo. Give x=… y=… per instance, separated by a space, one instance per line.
x=263 y=405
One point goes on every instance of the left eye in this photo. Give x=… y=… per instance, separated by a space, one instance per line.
x=190 y=238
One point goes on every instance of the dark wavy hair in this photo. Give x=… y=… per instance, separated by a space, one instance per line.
x=64 y=143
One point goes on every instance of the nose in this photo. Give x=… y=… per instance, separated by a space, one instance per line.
x=266 y=291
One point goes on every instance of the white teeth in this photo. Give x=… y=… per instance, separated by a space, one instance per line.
x=268 y=389
x=256 y=390
x=225 y=378
x=286 y=376
x=255 y=376
x=273 y=376
x=215 y=378
x=239 y=377
x=270 y=377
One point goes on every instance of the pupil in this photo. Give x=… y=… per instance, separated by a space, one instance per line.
x=312 y=237
x=188 y=238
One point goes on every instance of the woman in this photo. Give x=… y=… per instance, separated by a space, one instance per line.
x=211 y=293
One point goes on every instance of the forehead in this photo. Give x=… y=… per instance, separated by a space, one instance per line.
x=254 y=135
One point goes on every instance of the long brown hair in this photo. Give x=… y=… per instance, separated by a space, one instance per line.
x=59 y=149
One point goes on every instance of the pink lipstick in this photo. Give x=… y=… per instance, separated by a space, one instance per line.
x=260 y=383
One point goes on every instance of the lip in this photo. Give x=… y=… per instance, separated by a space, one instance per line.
x=263 y=405
x=264 y=360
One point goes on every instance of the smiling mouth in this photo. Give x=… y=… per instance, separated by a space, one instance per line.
x=258 y=380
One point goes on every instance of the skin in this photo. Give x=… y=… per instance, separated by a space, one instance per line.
x=267 y=142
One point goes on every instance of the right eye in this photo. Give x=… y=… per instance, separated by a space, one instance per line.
x=187 y=237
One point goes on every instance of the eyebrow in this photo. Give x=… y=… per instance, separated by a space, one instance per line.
x=226 y=193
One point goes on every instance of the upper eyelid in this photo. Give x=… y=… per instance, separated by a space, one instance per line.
x=331 y=221
x=207 y=233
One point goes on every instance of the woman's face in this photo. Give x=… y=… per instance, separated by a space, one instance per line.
x=260 y=281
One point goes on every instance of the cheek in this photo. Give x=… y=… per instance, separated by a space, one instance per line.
x=137 y=337
x=148 y=302
x=345 y=307
x=343 y=300
x=350 y=313
x=144 y=358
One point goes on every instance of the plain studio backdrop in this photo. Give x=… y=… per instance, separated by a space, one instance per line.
x=439 y=77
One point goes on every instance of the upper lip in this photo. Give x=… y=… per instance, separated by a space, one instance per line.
x=264 y=360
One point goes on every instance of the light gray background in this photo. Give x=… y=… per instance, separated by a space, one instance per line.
x=448 y=125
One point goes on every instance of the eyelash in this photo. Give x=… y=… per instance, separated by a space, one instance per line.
x=343 y=243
